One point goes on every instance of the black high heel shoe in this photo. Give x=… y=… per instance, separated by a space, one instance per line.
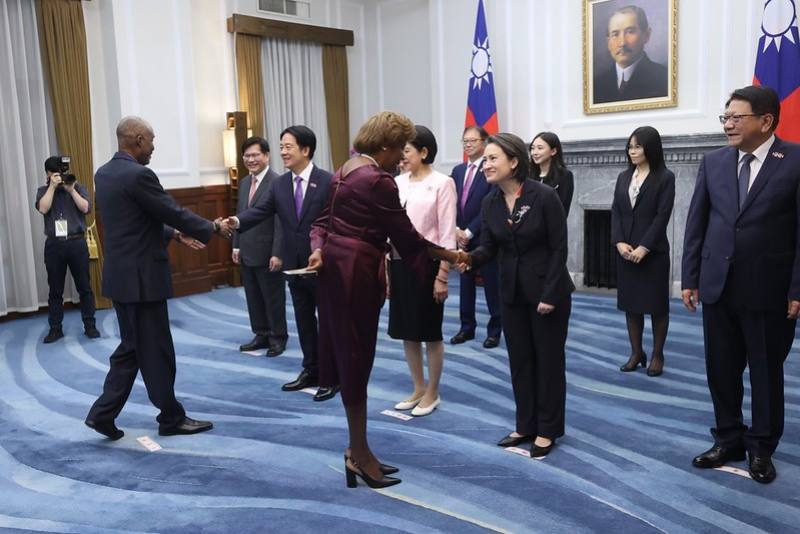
x=632 y=364
x=540 y=452
x=385 y=469
x=656 y=370
x=351 y=474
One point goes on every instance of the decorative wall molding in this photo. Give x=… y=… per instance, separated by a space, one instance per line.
x=677 y=148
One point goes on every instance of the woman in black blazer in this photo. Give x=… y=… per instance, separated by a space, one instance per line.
x=547 y=166
x=643 y=201
x=524 y=225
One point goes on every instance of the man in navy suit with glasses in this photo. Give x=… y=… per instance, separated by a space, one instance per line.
x=741 y=258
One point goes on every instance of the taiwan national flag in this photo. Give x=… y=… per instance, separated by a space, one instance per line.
x=778 y=63
x=481 y=107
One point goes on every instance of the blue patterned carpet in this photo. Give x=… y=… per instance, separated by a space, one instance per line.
x=274 y=460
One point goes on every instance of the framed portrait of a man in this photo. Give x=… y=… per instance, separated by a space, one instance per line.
x=629 y=55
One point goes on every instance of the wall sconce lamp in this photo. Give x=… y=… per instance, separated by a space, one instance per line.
x=233 y=136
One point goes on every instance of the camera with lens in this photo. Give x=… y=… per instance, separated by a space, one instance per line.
x=63 y=170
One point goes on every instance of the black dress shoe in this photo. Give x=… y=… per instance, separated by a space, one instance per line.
x=108 y=429
x=541 y=452
x=302 y=381
x=634 y=362
x=491 y=342
x=258 y=343
x=187 y=426
x=324 y=394
x=275 y=350
x=512 y=441
x=656 y=366
x=91 y=331
x=54 y=334
x=717 y=456
x=461 y=337
x=761 y=469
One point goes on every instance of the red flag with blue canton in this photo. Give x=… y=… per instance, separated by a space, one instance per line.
x=778 y=63
x=481 y=107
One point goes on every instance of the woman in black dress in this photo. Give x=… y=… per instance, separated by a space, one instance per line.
x=547 y=166
x=524 y=225
x=643 y=201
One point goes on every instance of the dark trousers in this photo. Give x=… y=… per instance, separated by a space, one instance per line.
x=146 y=345
x=304 y=301
x=736 y=338
x=537 y=359
x=58 y=255
x=491 y=288
x=266 y=302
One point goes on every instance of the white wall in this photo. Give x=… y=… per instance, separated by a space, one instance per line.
x=171 y=61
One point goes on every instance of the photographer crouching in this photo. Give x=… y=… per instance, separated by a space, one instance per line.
x=64 y=204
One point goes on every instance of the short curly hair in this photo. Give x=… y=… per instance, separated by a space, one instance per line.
x=386 y=129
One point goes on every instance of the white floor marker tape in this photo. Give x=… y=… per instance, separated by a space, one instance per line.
x=522 y=452
x=734 y=470
x=149 y=444
x=310 y=391
x=397 y=415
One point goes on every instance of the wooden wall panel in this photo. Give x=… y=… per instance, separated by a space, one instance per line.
x=198 y=271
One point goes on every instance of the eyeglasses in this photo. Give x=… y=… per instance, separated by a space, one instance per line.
x=251 y=156
x=466 y=142
x=736 y=119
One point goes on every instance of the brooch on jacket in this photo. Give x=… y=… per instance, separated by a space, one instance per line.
x=778 y=155
x=517 y=216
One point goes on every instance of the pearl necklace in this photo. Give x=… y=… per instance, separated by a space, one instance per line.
x=369 y=158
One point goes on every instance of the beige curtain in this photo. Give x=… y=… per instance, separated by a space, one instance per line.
x=63 y=39
x=250 y=80
x=334 y=72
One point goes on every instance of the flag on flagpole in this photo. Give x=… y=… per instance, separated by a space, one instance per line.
x=778 y=63
x=481 y=107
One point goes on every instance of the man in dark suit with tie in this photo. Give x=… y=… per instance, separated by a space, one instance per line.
x=741 y=258
x=257 y=252
x=634 y=75
x=471 y=188
x=297 y=197
x=139 y=219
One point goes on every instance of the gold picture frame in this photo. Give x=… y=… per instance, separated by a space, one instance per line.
x=606 y=88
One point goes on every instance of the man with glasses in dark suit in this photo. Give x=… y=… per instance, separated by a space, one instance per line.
x=471 y=187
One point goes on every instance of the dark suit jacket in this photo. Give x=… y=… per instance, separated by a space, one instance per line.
x=470 y=216
x=564 y=184
x=649 y=80
x=134 y=210
x=759 y=244
x=532 y=251
x=263 y=240
x=646 y=223
x=280 y=201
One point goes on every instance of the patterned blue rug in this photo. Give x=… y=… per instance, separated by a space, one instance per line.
x=274 y=460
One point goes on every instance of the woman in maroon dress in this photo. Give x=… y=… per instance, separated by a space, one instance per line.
x=348 y=241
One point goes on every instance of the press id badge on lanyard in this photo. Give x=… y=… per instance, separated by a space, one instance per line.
x=61 y=227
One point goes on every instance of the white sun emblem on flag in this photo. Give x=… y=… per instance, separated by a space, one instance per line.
x=481 y=63
x=780 y=16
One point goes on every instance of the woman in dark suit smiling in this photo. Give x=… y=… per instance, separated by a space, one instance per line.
x=525 y=227
x=643 y=201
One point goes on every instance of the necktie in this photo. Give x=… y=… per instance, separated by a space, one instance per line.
x=253 y=187
x=622 y=85
x=744 y=178
x=298 y=195
x=467 y=184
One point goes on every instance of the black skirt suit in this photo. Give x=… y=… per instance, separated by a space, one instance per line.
x=643 y=288
x=531 y=246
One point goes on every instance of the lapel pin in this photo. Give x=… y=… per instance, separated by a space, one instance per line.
x=778 y=155
x=312 y=184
